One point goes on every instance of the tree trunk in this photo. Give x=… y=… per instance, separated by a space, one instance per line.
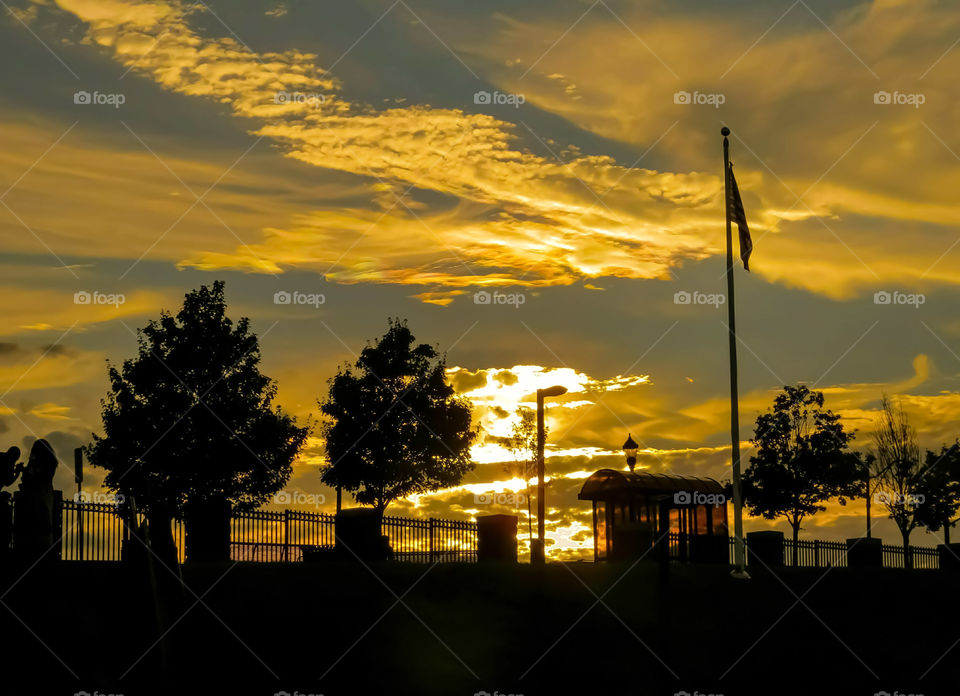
x=869 y=526
x=160 y=534
x=796 y=549
x=907 y=558
x=529 y=518
x=946 y=532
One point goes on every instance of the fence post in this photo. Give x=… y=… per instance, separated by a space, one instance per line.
x=58 y=522
x=816 y=553
x=286 y=534
x=432 y=542
x=79 y=511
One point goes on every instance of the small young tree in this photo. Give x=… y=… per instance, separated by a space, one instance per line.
x=901 y=471
x=523 y=444
x=802 y=460
x=190 y=420
x=394 y=425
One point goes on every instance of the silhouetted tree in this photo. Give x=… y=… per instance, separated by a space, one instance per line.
x=801 y=461
x=523 y=444
x=907 y=481
x=898 y=458
x=190 y=420
x=394 y=425
x=940 y=487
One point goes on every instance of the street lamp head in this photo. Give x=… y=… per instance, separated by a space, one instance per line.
x=552 y=391
x=630 y=449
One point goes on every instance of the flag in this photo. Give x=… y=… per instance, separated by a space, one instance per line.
x=738 y=216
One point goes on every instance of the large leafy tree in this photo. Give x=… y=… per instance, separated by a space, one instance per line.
x=394 y=426
x=190 y=419
x=802 y=460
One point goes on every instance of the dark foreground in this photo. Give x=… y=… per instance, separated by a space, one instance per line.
x=458 y=630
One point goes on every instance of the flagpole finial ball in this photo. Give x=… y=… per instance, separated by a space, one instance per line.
x=724 y=131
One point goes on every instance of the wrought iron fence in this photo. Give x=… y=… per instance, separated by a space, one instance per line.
x=432 y=540
x=817 y=553
x=95 y=532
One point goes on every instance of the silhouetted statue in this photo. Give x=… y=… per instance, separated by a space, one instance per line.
x=34 y=504
x=9 y=471
x=42 y=465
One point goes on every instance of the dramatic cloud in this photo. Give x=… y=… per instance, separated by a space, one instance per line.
x=266 y=145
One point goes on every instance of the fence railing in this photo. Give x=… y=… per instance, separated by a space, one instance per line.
x=432 y=540
x=817 y=553
x=95 y=532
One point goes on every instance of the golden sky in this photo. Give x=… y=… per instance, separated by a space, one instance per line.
x=400 y=157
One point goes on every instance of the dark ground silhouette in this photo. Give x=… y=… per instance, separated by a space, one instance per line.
x=265 y=629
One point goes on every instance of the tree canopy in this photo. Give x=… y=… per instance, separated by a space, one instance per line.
x=191 y=418
x=394 y=426
x=802 y=459
x=940 y=488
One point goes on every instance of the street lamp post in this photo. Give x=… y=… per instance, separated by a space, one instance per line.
x=538 y=550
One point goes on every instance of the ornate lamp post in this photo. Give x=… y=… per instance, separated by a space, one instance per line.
x=630 y=449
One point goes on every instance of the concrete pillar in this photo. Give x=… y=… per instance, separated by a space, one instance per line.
x=36 y=522
x=766 y=547
x=865 y=553
x=949 y=556
x=358 y=535
x=497 y=538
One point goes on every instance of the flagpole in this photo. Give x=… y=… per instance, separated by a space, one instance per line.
x=739 y=570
